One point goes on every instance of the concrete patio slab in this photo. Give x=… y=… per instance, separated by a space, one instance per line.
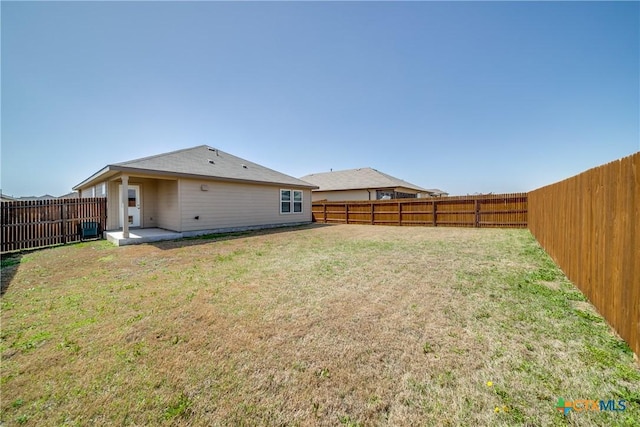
x=141 y=235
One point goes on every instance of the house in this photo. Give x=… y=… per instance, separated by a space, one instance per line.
x=436 y=192
x=34 y=198
x=196 y=191
x=362 y=184
x=72 y=195
x=5 y=198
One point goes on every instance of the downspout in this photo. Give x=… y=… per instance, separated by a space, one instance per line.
x=369 y=191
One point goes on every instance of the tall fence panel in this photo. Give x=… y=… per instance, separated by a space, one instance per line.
x=590 y=225
x=30 y=224
x=493 y=210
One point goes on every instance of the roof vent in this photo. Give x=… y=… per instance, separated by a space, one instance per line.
x=211 y=161
x=245 y=166
x=214 y=149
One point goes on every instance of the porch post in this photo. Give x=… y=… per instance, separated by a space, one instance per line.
x=125 y=206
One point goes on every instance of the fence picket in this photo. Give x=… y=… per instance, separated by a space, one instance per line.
x=30 y=224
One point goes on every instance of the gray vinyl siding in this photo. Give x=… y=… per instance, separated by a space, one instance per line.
x=94 y=191
x=168 y=213
x=113 y=206
x=174 y=204
x=149 y=201
x=227 y=205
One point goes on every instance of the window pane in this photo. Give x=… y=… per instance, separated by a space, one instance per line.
x=285 y=207
x=297 y=206
x=285 y=195
x=297 y=196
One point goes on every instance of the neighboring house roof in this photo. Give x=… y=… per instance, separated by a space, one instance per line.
x=5 y=198
x=72 y=195
x=437 y=192
x=198 y=162
x=355 y=179
x=31 y=198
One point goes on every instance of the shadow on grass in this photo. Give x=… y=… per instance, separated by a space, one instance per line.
x=8 y=268
x=219 y=237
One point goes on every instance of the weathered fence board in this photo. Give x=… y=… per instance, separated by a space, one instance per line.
x=30 y=224
x=590 y=225
x=493 y=210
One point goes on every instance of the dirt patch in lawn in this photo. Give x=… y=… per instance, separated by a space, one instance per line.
x=351 y=325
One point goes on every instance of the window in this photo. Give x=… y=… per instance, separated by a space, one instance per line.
x=390 y=194
x=384 y=195
x=290 y=201
x=400 y=195
x=297 y=201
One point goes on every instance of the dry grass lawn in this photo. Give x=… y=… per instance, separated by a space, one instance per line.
x=318 y=325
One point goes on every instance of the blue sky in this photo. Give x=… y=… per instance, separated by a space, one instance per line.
x=466 y=97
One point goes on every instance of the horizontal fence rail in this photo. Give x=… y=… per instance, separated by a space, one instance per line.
x=28 y=224
x=590 y=225
x=493 y=210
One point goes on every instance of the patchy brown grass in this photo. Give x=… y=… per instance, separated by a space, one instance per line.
x=339 y=325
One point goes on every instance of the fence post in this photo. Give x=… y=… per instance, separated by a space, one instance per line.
x=372 y=214
x=477 y=214
x=324 y=213
x=435 y=222
x=346 y=213
x=399 y=213
x=63 y=218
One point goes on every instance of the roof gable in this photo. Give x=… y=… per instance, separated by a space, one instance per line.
x=353 y=179
x=203 y=161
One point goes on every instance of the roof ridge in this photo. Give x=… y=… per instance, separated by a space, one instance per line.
x=368 y=177
x=160 y=155
x=340 y=171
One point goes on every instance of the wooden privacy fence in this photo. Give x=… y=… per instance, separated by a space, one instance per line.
x=493 y=210
x=590 y=225
x=37 y=223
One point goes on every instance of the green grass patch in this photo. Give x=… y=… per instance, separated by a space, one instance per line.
x=344 y=325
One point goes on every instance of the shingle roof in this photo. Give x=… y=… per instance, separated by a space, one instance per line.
x=353 y=179
x=206 y=162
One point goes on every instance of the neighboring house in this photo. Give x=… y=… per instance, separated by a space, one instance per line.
x=72 y=195
x=33 y=198
x=195 y=190
x=5 y=198
x=361 y=184
x=436 y=192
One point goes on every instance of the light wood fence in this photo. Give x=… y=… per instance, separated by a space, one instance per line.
x=493 y=210
x=590 y=225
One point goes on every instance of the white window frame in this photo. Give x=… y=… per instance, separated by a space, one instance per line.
x=292 y=201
